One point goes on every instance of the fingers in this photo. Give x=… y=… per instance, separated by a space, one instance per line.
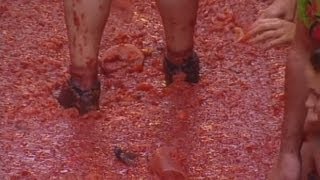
x=265 y=24
x=265 y=36
x=275 y=42
x=272 y=31
x=262 y=25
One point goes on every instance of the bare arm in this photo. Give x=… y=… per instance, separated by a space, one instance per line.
x=296 y=91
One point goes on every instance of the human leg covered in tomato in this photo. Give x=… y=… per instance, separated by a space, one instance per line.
x=85 y=22
x=179 y=20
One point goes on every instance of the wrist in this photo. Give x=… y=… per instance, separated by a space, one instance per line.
x=283 y=3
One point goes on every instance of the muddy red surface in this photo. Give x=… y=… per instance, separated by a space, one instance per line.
x=225 y=127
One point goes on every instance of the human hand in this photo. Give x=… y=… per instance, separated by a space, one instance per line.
x=287 y=168
x=271 y=32
x=283 y=9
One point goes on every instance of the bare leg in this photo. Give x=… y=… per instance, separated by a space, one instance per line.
x=179 y=19
x=85 y=23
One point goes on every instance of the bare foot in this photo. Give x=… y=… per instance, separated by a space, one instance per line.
x=84 y=101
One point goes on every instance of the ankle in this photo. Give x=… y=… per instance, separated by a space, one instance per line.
x=84 y=83
x=179 y=58
x=84 y=78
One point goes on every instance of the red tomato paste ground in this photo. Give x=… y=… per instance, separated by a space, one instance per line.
x=226 y=127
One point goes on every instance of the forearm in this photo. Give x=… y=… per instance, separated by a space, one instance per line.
x=296 y=92
x=287 y=2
